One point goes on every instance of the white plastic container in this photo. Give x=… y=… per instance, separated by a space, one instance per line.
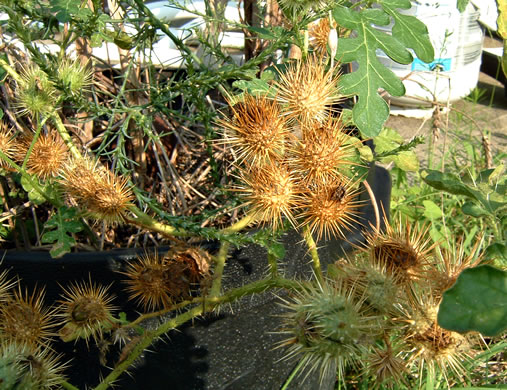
x=457 y=39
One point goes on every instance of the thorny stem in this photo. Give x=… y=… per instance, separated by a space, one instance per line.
x=68 y=386
x=145 y=221
x=312 y=248
x=221 y=258
x=150 y=336
x=64 y=134
x=10 y=71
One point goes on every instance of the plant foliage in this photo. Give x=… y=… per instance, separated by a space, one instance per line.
x=371 y=110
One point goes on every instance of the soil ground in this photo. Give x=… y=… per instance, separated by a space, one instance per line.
x=472 y=116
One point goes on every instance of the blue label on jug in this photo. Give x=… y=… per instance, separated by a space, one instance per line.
x=442 y=64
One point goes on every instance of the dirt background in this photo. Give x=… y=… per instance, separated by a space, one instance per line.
x=467 y=117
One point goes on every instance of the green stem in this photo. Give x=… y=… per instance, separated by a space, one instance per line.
x=155 y=22
x=218 y=271
x=149 y=336
x=10 y=71
x=312 y=248
x=68 y=386
x=273 y=265
x=64 y=134
x=221 y=258
x=240 y=225
x=145 y=221
x=293 y=374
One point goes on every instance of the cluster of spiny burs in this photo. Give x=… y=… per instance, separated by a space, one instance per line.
x=294 y=159
x=86 y=312
x=375 y=314
x=48 y=160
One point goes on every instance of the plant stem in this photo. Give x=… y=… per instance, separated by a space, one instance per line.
x=68 y=386
x=149 y=336
x=218 y=272
x=221 y=258
x=64 y=134
x=240 y=225
x=145 y=221
x=273 y=265
x=312 y=247
x=10 y=71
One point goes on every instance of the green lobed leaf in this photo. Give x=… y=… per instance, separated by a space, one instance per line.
x=405 y=160
x=409 y=30
x=63 y=223
x=371 y=110
x=476 y=302
x=462 y=4
x=33 y=194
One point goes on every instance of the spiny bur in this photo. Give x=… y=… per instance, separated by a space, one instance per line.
x=85 y=311
x=24 y=318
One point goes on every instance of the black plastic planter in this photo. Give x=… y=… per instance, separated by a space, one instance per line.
x=226 y=351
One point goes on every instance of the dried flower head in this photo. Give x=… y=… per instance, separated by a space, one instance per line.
x=330 y=210
x=326 y=327
x=96 y=190
x=147 y=282
x=450 y=263
x=319 y=33
x=75 y=77
x=322 y=153
x=404 y=250
x=196 y=260
x=24 y=367
x=386 y=366
x=36 y=93
x=85 y=311
x=257 y=131
x=25 y=320
x=307 y=90
x=47 y=157
x=270 y=192
x=5 y=285
x=432 y=347
x=7 y=144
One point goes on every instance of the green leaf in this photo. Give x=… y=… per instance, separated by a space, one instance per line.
x=33 y=194
x=431 y=210
x=491 y=200
x=371 y=110
x=476 y=302
x=387 y=140
x=471 y=208
x=462 y=4
x=62 y=224
x=447 y=182
x=265 y=33
x=409 y=30
x=64 y=9
x=405 y=160
x=277 y=250
x=496 y=252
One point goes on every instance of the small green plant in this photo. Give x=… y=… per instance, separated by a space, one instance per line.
x=102 y=157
